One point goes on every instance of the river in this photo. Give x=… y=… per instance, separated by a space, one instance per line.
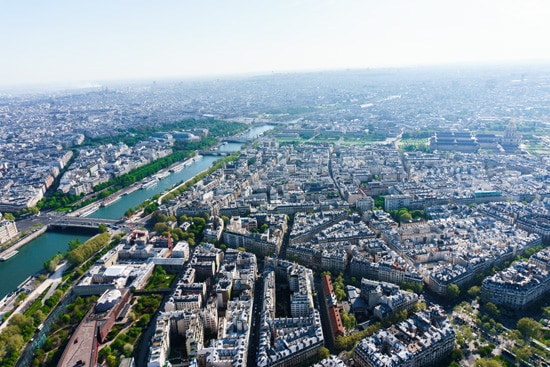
x=116 y=209
x=31 y=257
x=256 y=131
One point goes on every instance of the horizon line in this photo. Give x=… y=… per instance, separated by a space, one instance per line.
x=50 y=86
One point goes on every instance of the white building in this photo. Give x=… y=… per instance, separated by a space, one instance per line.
x=8 y=230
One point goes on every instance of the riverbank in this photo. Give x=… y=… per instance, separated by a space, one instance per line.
x=23 y=241
x=177 y=186
x=118 y=198
x=51 y=282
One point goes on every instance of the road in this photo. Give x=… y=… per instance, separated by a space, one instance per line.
x=55 y=279
x=256 y=315
x=43 y=219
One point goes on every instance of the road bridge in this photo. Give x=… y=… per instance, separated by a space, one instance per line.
x=214 y=153
x=82 y=222
x=237 y=140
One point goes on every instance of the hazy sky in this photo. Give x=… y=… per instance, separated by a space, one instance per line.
x=68 y=41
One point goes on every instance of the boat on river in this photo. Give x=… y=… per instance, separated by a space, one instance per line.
x=93 y=208
x=8 y=256
x=130 y=190
x=162 y=175
x=148 y=184
x=109 y=201
x=177 y=167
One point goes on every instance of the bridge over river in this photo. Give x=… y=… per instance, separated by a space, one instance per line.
x=81 y=222
x=240 y=140
x=215 y=153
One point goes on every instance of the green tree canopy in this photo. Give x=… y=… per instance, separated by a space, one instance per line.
x=324 y=353
x=491 y=309
x=453 y=291
x=102 y=228
x=523 y=353
x=528 y=327
x=9 y=216
x=405 y=217
x=474 y=291
x=129 y=212
x=78 y=255
x=160 y=227
x=457 y=355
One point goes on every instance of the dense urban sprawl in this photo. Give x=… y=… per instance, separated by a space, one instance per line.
x=376 y=204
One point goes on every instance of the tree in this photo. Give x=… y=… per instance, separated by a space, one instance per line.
x=340 y=294
x=485 y=351
x=104 y=352
x=34 y=210
x=74 y=243
x=412 y=287
x=199 y=222
x=474 y=291
x=86 y=250
x=9 y=216
x=128 y=349
x=492 y=309
x=523 y=353
x=38 y=317
x=457 y=355
x=178 y=232
x=419 y=306
x=14 y=343
x=324 y=353
x=405 y=217
x=528 y=327
x=21 y=321
x=160 y=227
x=453 y=291
x=52 y=264
x=418 y=213
x=102 y=228
x=379 y=202
x=460 y=340
x=144 y=320
x=112 y=361
x=151 y=208
x=348 y=320
x=467 y=332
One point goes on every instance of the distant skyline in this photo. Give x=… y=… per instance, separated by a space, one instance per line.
x=75 y=42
